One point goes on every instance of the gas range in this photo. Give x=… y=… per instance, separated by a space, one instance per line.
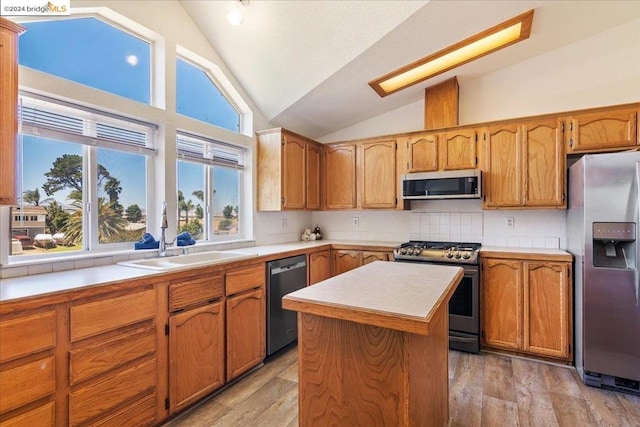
x=442 y=252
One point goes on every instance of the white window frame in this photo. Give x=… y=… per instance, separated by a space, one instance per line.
x=210 y=154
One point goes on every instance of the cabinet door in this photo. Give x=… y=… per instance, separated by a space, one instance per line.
x=547 y=297
x=544 y=164
x=42 y=416
x=8 y=108
x=313 y=176
x=319 y=266
x=246 y=332
x=345 y=260
x=340 y=177
x=293 y=172
x=423 y=153
x=371 y=256
x=378 y=174
x=196 y=354
x=502 y=303
x=602 y=131
x=458 y=149
x=503 y=177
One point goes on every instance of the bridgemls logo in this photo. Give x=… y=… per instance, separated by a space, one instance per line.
x=30 y=8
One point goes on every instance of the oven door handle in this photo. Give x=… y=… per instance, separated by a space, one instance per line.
x=462 y=339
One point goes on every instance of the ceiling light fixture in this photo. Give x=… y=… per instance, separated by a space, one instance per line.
x=481 y=44
x=235 y=11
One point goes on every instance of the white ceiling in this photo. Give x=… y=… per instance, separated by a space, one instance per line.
x=306 y=64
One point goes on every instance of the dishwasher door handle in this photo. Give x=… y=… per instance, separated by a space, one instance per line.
x=286 y=268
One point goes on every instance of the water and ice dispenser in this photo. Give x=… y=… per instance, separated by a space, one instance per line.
x=615 y=245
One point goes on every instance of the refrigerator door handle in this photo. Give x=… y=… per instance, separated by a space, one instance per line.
x=636 y=278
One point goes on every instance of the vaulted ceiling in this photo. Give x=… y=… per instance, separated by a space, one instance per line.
x=306 y=64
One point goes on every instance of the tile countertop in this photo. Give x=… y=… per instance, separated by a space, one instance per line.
x=48 y=283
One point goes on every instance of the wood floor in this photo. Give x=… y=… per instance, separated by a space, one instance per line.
x=484 y=390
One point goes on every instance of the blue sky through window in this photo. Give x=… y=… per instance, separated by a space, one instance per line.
x=199 y=98
x=90 y=52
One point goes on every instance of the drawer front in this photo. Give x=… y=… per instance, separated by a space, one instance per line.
x=42 y=416
x=27 y=383
x=195 y=291
x=27 y=335
x=245 y=278
x=88 y=402
x=140 y=414
x=112 y=313
x=96 y=359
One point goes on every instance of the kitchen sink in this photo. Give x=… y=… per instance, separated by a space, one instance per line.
x=187 y=261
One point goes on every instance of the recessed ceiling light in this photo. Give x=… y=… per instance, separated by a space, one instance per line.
x=235 y=11
x=491 y=40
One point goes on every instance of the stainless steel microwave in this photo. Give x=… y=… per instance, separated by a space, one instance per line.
x=460 y=184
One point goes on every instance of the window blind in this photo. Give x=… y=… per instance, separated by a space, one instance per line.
x=50 y=118
x=208 y=151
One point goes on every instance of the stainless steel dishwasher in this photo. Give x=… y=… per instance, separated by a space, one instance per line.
x=285 y=276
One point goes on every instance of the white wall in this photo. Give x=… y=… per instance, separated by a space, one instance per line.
x=601 y=70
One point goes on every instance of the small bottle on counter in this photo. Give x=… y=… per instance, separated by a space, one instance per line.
x=317 y=232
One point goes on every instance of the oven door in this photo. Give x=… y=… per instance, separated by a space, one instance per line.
x=464 y=304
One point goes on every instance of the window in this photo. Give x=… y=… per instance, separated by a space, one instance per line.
x=84 y=176
x=90 y=52
x=198 y=97
x=209 y=182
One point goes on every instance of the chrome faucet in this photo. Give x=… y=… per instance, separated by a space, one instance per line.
x=162 y=248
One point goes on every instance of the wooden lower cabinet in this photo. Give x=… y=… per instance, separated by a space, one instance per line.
x=526 y=306
x=371 y=256
x=196 y=354
x=345 y=260
x=246 y=331
x=319 y=266
x=42 y=416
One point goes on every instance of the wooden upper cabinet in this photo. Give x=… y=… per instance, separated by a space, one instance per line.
x=9 y=32
x=503 y=162
x=502 y=303
x=547 y=308
x=602 y=131
x=458 y=150
x=544 y=164
x=293 y=170
x=378 y=174
x=423 y=153
x=339 y=176
x=312 y=200
x=288 y=171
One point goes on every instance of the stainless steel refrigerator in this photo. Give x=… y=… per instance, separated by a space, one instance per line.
x=602 y=234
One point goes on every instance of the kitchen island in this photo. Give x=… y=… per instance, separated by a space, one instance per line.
x=373 y=346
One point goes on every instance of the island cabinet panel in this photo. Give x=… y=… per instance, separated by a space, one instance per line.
x=378 y=174
x=544 y=164
x=503 y=162
x=345 y=260
x=42 y=416
x=339 y=176
x=606 y=130
x=27 y=383
x=423 y=153
x=313 y=191
x=458 y=150
x=27 y=335
x=99 y=398
x=9 y=32
x=319 y=266
x=546 y=309
x=108 y=314
x=246 y=332
x=502 y=303
x=293 y=170
x=196 y=354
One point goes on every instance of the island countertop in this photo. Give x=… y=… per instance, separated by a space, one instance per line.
x=400 y=296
